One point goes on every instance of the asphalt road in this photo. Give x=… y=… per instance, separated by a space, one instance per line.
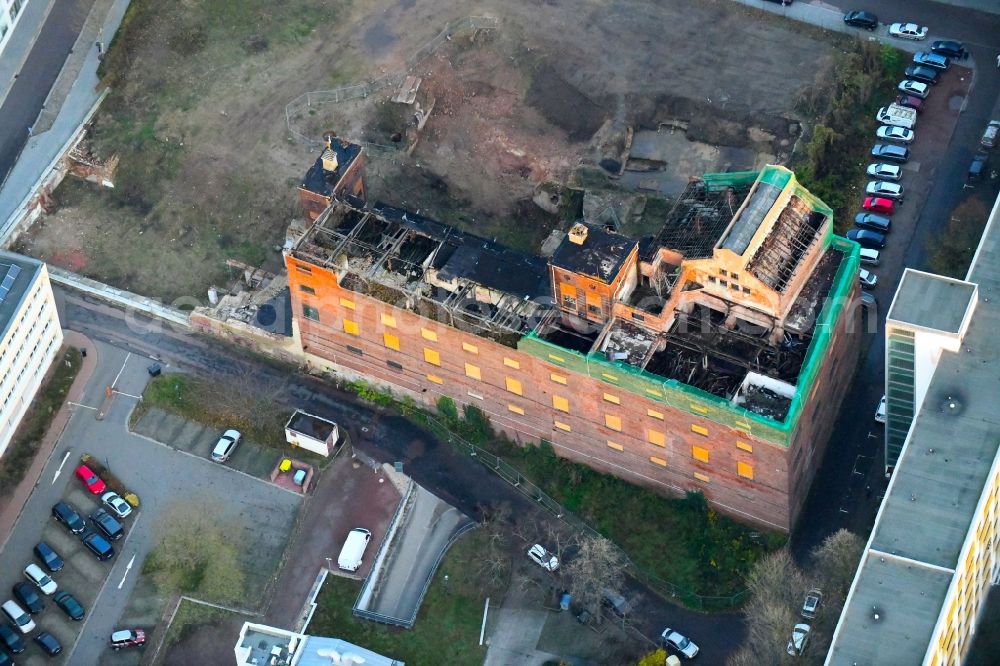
x=38 y=73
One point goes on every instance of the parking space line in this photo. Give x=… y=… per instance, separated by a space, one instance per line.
x=124 y=363
x=77 y=404
x=128 y=395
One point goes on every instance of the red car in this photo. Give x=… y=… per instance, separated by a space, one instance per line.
x=91 y=480
x=878 y=205
x=125 y=638
x=912 y=102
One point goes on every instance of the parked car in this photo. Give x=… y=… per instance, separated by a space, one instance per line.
x=543 y=558
x=107 y=525
x=18 y=616
x=126 y=638
x=68 y=516
x=885 y=171
x=867 y=300
x=11 y=639
x=616 y=602
x=859 y=19
x=34 y=573
x=98 y=545
x=890 y=152
x=5 y=659
x=49 y=644
x=116 y=504
x=881 y=188
x=915 y=88
x=980 y=162
x=69 y=605
x=878 y=205
x=679 y=642
x=920 y=73
x=93 y=482
x=934 y=60
x=880 y=411
x=814 y=598
x=911 y=102
x=226 y=445
x=870 y=257
x=866 y=238
x=949 y=48
x=897 y=115
x=799 y=640
x=893 y=133
x=989 y=139
x=908 y=31
x=49 y=557
x=783 y=3
x=873 y=221
x=28 y=597
x=867 y=278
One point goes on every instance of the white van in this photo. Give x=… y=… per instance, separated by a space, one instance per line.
x=354 y=549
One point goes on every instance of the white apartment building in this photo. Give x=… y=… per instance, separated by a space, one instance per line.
x=31 y=336
x=10 y=12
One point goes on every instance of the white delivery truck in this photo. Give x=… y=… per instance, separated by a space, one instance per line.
x=900 y=116
x=354 y=549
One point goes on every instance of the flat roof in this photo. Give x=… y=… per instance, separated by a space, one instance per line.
x=933 y=302
x=318 y=650
x=311 y=426
x=600 y=256
x=321 y=181
x=17 y=274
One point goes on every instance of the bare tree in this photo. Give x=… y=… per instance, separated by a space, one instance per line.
x=495 y=563
x=836 y=560
x=598 y=566
x=250 y=398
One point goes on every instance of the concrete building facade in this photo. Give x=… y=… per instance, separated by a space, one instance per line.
x=30 y=340
x=10 y=14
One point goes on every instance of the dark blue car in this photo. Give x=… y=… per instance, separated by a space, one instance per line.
x=48 y=556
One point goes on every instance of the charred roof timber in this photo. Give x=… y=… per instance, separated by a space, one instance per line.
x=698 y=219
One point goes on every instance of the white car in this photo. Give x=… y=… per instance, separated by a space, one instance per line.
x=34 y=573
x=18 y=616
x=116 y=504
x=880 y=188
x=870 y=256
x=543 y=558
x=810 y=606
x=800 y=638
x=915 y=88
x=679 y=642
x=226 y=445
x=893 y=133
x=880 y=411
x=908 y=31
x=868 y=279
x=885 y=171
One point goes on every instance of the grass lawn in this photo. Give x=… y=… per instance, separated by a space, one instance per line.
x=447 y=628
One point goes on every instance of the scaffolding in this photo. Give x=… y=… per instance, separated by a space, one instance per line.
x=700 y=215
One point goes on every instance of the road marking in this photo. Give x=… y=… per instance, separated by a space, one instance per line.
x=127 y=569
x=59 y=471
x=76 y=404
x=118 y=376
x=129 y=395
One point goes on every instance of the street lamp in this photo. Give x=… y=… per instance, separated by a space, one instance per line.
x=329 y=564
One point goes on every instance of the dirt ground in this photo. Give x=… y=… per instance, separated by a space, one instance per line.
x=208 y=169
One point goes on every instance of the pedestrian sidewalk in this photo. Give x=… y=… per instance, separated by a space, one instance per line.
x=16 y=500
x=33 y=16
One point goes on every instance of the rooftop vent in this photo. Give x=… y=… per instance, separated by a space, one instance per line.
x=578 y=234
x=330 y=162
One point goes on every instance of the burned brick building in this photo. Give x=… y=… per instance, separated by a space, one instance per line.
x=711 y=356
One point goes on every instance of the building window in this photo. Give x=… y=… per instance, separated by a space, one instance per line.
x=511 y=363
x=654 y=414
x=514 y=386
x=388 y=320
x=435 y=379
x=309 y=312
x=701 y=430
x=432 y=357
x=351 y=327
x=472 y=371
x=701 y=477
x=472 y=349
x=558 y=379
x=711 y=279
x=394 y=365
x=658 y=461
x=723 y=272
x=744 y=470
x=355 y=350
x=699 y=453
x=562 y=426
x=746 y=291
x=638 y=317
x=594 y=309
x=612 y=398
x=569 y=301
x=515 y=409
x=615 y=445
x=303 y=269
x=428 y=335
x=307 y=289
x=613 y=422
x=723 y=283
x=744 y=446
x=560 y=403
x=347 y=303
x=391 y=341
x=656 y=437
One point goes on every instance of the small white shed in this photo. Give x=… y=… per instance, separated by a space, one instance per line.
x=312 y=433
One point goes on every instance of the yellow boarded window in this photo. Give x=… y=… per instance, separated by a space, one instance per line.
x=391 y=341
x=388 y=320
x=701 y=477
x=654 y=392
x=699 y=453
x=744 y=446
x=655 y=414
x=432 y=357
x=744 y=470
x=563 y=426
x=613 y=422
x=558 y=379
x=351 y=327
x=472 y=371
x=511 y=363
x=347 y=303
x=610 y=378
x=656 y=437
x=472 y=349
x=700 y=430
x=557 y=359
x=615 y=445
x=428 y=335
x=515 y=409
x=566 y=289
x=658 y=461
x=514 y=386
x=699 y=408
x=560 y=403
x=435 y=379
x=612 y=398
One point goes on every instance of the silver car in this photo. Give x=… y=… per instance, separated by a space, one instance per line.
x=885 y=171
x=226 y=445
x=880 y=188
x=867 y=278
x=915 y=88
